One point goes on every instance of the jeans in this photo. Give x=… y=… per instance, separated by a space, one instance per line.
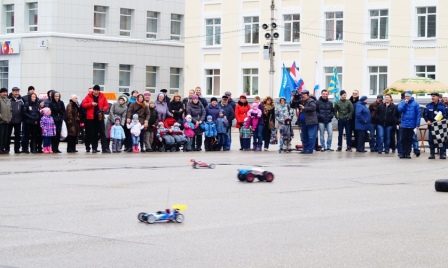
x=258 y=134
x=116 y=145
x=135 y=140
x=329 y=128
x=383 y=138
x=309 y=133
x=373 y=136
x=344 y=124
x=228 y=138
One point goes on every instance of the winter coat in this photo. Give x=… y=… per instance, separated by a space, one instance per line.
x=135 y=127
x=432 y=109
x=212 y=110
x=153 y=118
x=118 y=110
x=162 y=110
x=282 y=111
x=221 y=124
x=189 y=129
x=57 y=110
x=209 y=129
x=410 y=113
x=325 y=110
x=287 y=132
x=362 y=117
x=5 y=110
x=174 y=108
x=17 y=109
x=261 y=108
x=245 y=132
x=142 y=112
x=117 y=132
x=203 y=101
x=73 y=119
x=31 y=113
x=386 y=115
x=309 y=111
x=197 y=112
x=47 y=125
x=229 y=112
x=90 y=109
x=241 y=110
x=344 y=110
x=372 y=109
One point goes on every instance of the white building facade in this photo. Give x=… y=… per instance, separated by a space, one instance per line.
x=371 y=42
x=70 y=45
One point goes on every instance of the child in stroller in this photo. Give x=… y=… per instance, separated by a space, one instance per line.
x=164 y=141
x=178 y=136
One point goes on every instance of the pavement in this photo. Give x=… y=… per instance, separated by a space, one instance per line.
x=328 y=209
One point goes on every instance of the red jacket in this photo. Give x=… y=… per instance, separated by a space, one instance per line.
x=87 y=105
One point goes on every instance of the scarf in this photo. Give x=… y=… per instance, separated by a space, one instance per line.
x=141 y=103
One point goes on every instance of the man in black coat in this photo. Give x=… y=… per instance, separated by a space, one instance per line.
x=325 y=113
x=229 y=113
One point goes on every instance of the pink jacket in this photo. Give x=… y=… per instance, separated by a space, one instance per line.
x=188 y=129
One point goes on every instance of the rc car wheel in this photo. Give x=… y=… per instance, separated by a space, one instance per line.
x=196 y=166
x=161 y=149
x=179 y=218
x=212 y=166
x=268 y=176
x=441 y=185
x=173 y=149
x=241 y=177
x=250 y=177
x=140 y=216
x=151 y=218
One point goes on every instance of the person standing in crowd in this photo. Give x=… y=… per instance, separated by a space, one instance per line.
x=363 y=119
x=162 y=108
x=344 y=112
x=282 y=111
x=117 y=135
x=386 y=118
x=309 y=129
x=83 y=134
x=118 y=109
x=410 y=120
x=241 y=109
x=133 y=98
x=268 y=120
x=140 y=109
x=31 y=120
x=26 y=98
x=152 y=124
x=221 y=129
x=325 y=113
x=230 y=100
x=96 y=104
x=198 y=92
x=197 y=112
x=354 y=99
x=48 y=129
x=176 y=108
x=213 y=108
x=373 y=127
x=165 y=95
x=16 y=120
x=431 y=110
x=73 y=120
x=5 y=119
x=57 y=108
x=229 y=113
x=258 y=131
x=186 y=100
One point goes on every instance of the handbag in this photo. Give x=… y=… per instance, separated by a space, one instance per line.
x=271 y=123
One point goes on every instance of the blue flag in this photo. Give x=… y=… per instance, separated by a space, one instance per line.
x=288 y=86
x=334 y=85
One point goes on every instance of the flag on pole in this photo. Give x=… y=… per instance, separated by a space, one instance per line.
x=334 y=85
x=316 y=82
x=288 y=85
x=297 y=77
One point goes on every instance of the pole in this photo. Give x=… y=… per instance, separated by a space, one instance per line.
x=271 y=53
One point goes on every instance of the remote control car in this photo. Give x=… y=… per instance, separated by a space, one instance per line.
x=199 y=164
x=164 y=216
x=250 y=174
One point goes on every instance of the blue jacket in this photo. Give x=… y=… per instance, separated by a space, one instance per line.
x=209 y=129
x=410 y=113
x=221 y=125
x=117 y=132
x=362 y=116
x=432 y=110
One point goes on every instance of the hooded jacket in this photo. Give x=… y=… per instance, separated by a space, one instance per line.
x=16 y=108
x=57 y=108
x=309 y=111
x=90 y=109
x=410 y=113
x=325 y=110
x=362 y=116
x=221 y=124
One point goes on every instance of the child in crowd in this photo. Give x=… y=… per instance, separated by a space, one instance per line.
x=210 y=133
x=221 y=128
x=48 y=129
x=117 y=135
x=164 y=134
x=136 y=129
x=286 y=135
x=254 y=114
x=245 y=135
x=188 y=132
x=178 y=135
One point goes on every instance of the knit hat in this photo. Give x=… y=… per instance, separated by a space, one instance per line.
x=408 y=93
x=213 y=99
x=117 y=118
x=188 y=116
x=147 y=93
x=96 y=87
x=342 y=92
x=363 y=98
x=3 y=90
x=152 y=102
x=209 y=117
x=195 y=97
x=45 y=111
x=135 y=116
x=242 y=96
x=254 y=105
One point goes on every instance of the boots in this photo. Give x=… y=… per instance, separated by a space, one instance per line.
x=45 y=150
x=442 y=153
x=254 y=146
x=135 y=149
x=432 y=154
x=259 y=147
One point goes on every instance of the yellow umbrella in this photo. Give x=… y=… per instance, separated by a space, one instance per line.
x=416 y=85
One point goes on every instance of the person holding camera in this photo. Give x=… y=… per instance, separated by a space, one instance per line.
x=95 y=104
x=309 y=129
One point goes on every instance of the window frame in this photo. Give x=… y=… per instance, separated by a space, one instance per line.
x=33 y=9
x=426 y=73
x=10 y=16
x=377 y=72
x=100 y=30
x=290 y=33
x=121 y=71
x=426 y=15
x=124 y=20
x=378 y=24
x=4 y=65
x=154 y=72
x=176 y=36
x=173 y=89
x=149 y=34
x=212 y=78
x=96 y=69
x=216 y=31
x=252 y=77
x=334 y=29
x=254 y=27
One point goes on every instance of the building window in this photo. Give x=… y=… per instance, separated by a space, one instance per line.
x=125 y=21
x=213 y=32
x=378 y=79
x=251 y=27
x=124 y=83
x=174 y=80
x=151 y=78
x=9 y=18
x=4 y=69
x=426 y=19
x=176 y=21
x=334 y=26
x=428 y=71
x=99 y=74
x=213 y=82
x=250 y=82
x=328 y=72
x=99 y=19
x=32 y=16
x=151 y=24
x=379 y=24
x=292 y=27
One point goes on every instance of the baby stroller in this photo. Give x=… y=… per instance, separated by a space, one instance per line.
x=163 y=141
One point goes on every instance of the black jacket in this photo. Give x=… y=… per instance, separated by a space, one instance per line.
x=386 y=115
x=153 y=118
x=324 y=110
x=17 y=109
x=57 y=109
x=174 y=108
x=31 y=113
